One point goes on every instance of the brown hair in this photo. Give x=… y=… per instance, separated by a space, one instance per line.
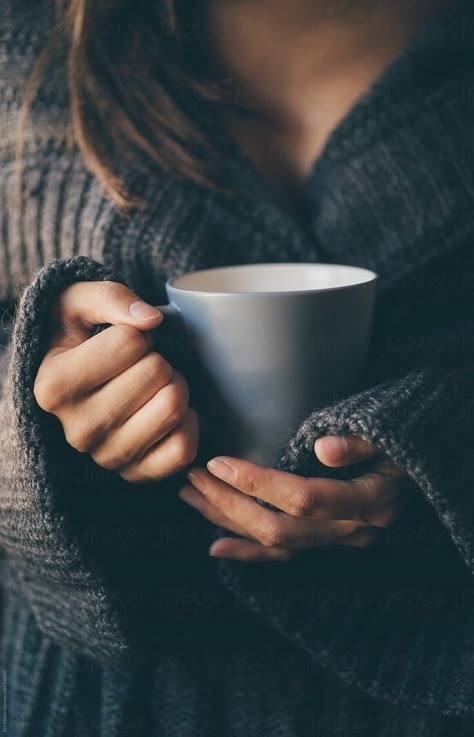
x=136 y=71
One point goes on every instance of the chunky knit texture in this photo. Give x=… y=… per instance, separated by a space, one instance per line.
x=115 y=621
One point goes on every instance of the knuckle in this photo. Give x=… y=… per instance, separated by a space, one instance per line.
x=80 y=438
x=109 y=289
x=253 y=485
x=165 y=369
x=108 y=460
x=130 y=339
x=46 y=392
x=175 y=403
x=154 y=366
x=109 y=463
x=271 y=537
x=132 y=474
x=83 y=435
x=52 y=385
x=142 y=469
x=182 y=384
x=300 y=503
x=185 y=448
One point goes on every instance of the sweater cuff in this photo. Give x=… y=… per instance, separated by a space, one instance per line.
x=423 y=422
x=64 y=589
x=394 y=618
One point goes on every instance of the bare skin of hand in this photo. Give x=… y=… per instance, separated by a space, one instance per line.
x=117 y=399
x=314 y=511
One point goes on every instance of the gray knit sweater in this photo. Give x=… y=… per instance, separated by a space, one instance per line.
x=114 y=619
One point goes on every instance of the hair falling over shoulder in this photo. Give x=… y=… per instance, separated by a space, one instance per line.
x=136 y=70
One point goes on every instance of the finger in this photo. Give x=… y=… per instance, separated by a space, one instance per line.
x=342 y=450
x=71 y=375
x=270 y=528
x=248 y=551
x=314 y=498
x=83 y=305
x=130 y=429
x=170 y=455
x=370 y=499
x=243 y=549
x=292 y=494
x=195 y=499
x=126 y=393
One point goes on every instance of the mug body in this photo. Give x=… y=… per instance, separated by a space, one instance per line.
x=277 y=341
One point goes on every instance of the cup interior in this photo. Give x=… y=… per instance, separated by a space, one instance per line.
x=283 y=277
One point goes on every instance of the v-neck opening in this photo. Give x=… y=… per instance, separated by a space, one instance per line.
x=344 y=139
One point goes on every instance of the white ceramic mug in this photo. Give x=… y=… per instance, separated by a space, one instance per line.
x=275 y=340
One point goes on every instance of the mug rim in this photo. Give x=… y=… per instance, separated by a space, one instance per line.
x=372 y=277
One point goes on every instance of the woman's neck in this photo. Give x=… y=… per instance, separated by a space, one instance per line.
x=296 y=67
x=297 y=62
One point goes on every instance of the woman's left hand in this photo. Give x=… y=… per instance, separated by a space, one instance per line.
x=314 y=511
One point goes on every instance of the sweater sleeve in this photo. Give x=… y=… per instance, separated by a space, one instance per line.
x=83 y=545
x=395 y=618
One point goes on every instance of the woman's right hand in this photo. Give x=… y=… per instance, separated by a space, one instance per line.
x=117 y=398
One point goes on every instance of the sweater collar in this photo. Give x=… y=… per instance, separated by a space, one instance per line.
x=394 y=184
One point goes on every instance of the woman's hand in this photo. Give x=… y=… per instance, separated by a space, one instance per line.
x=116 y=398
x=315 y=511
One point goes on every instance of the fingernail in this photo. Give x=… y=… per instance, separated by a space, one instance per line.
x=214 y=550
x=185 y=493
x=221 y=468
x=333 y=445
x=191 y=476
x=189 y=499
x=142 y=310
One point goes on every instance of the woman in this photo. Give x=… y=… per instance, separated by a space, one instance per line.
x=234 y=133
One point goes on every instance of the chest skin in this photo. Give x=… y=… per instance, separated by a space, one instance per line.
x=283 y=161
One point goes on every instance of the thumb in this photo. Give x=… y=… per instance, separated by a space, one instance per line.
x=83 y=305
x=343 y=450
